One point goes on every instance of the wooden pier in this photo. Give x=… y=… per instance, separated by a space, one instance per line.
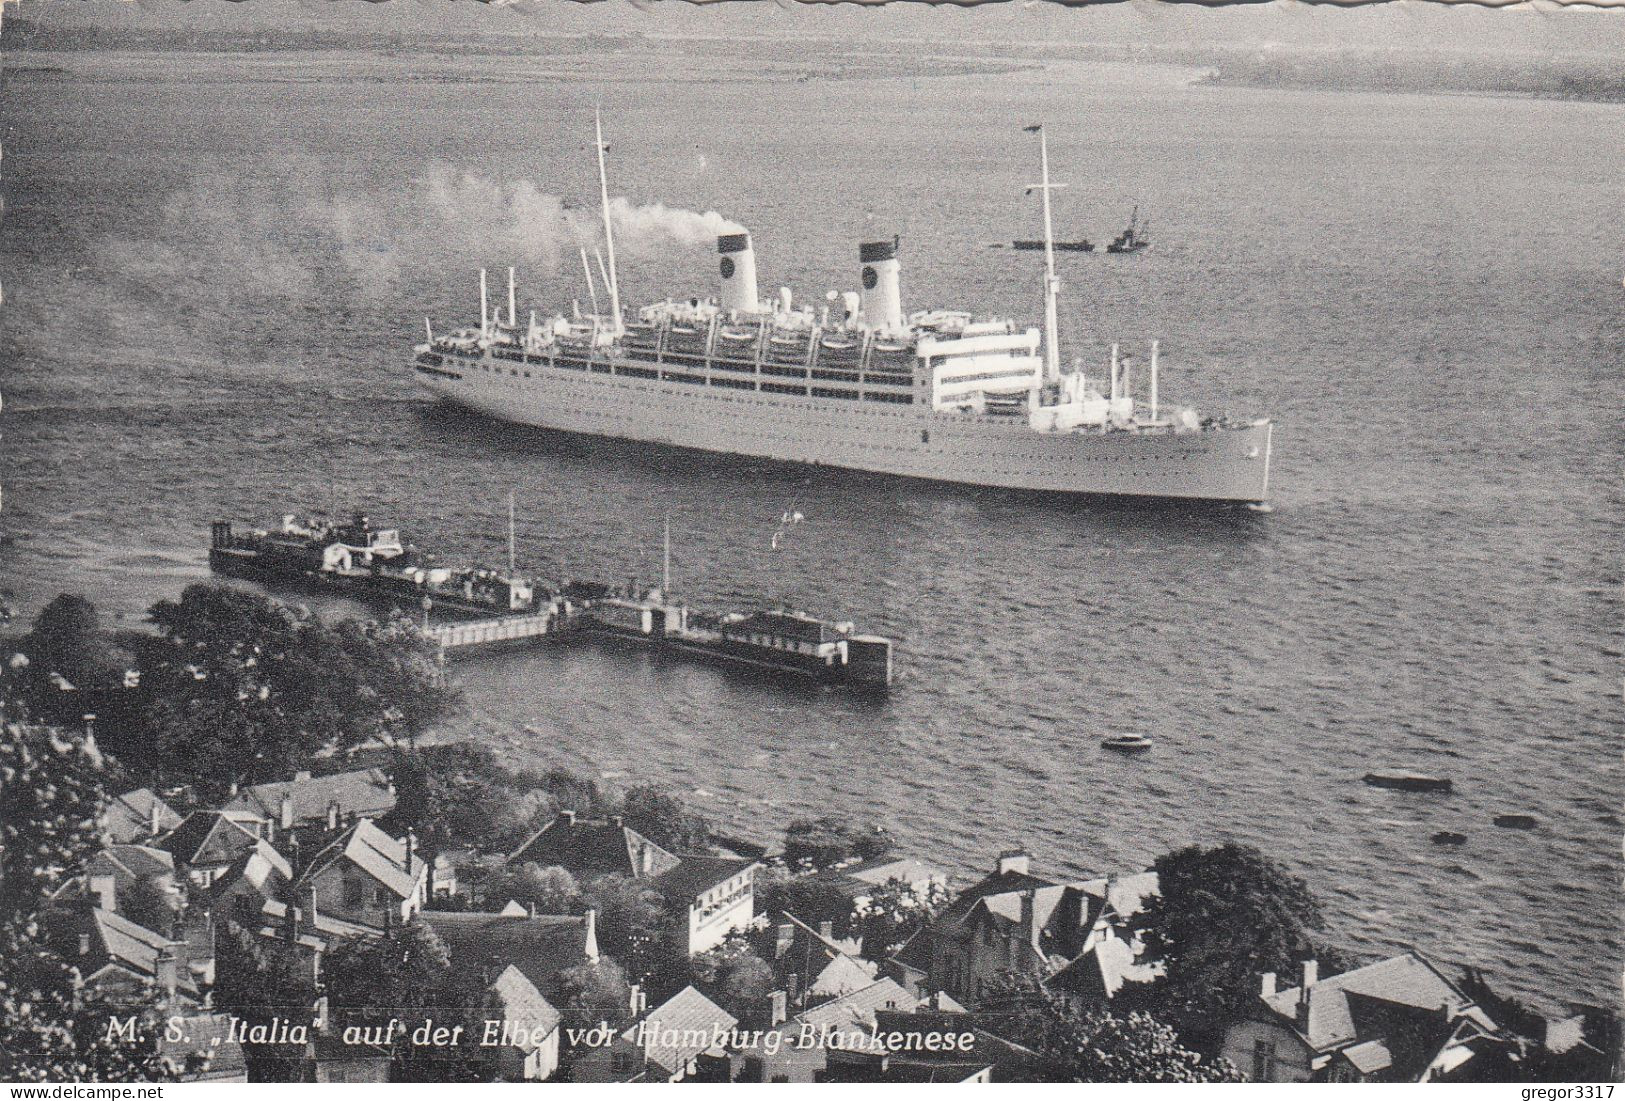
x=488 y=632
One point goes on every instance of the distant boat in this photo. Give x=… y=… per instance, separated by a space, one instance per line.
x=1136 y=237
x=1080 y=245
x=1446 y=837
x=1407 y=781
x=1516 y=821
x=1127 y=743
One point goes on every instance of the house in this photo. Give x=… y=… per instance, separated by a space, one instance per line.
x=682 y=1040
x=309 y=930
x=201 y=1047
x=207 y=842
x=113 y=871
x=318 y=803
x=813 y=965
x=716 y=895
x=259 y=875
x=1012 y=921
x=592 y=847
x=367 y=877
x=860 y=881
x=541 y=946
x=447 y=872
x=804 y=1042
x=137 y=816
x=521 y=1030
x=1400 y=1020
x=117 y=958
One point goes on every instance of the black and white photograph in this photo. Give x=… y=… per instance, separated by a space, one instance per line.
x=807 y=542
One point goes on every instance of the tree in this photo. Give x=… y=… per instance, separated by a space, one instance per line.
x=52 y=783
x=827 y=841
x=1099 y=1045
x=733 y=976
x=150 y=902
x=807 y=897
x=551 y=890
x=596 y=991
x=68 y=639
x=49 y=1032
x=1222 y=917
x=407 y=976
x=457 y=795
x=258 y=980
x=664 y=820
x=242 y=687
x=894 y=912
x=634 y=926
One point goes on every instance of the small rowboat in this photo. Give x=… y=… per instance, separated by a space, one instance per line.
x=1407 y=781
x=1127 y=743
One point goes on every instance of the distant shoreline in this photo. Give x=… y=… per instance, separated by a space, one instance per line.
x=1580 y=77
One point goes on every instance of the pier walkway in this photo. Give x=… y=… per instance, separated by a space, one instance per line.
x=484 y=632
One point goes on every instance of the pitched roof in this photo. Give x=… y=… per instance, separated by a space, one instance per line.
x=210 y=837
x=884 y=869
x=366 y=793
x=376 y=853
x=695 y=875
x=129 y=817
x=680 y=1028
x=262 y=867
x=113 y=939
x=916 y=954
x=206 y=1048
x=524 y=1006
x=326 y=930
x=1102 y=969
x=843 y=975
x=540 y=946
x=1336 y=1013
x=135 y=861
x=858 y=1008
x=588 y=847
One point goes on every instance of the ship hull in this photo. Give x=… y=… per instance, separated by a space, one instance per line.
x=1218 y=464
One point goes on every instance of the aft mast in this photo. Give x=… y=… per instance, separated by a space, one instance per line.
x=1052 y=284
x=609 y=236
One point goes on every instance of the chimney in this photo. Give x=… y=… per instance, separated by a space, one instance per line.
x=792 y=988
x=302 y=776
x=1267 y=985
x=783 y=939
x=738 y=268
x=310 y=906
x=285 y=818
x=319 y=1015
x=233 y=789
x=1013 y=861
x=826 y=929
x=333 y=814
x=568 y=817
x=84 y=944
x=164 y=970
x=104 y=891
x=152 y=818
x=615 y=821
x=1310 y=976
x=1029 y=918
x=410 y=850
x=880 y=300
x=777 y=1009
x=637 y=1000
x=648 y=860
x=589 y=935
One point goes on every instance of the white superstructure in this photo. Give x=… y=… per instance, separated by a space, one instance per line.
x=854 y=383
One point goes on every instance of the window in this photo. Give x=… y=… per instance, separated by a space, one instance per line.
x=352 y=892
x=1263 y=1060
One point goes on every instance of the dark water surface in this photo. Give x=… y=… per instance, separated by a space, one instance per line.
x=211 y=286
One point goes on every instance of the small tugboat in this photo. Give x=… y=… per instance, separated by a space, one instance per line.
x=1136 y=237
x=1127 y=743
x=1407 y=781
x=1083 y=244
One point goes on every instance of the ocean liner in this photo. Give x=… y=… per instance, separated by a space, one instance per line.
x=856 y=383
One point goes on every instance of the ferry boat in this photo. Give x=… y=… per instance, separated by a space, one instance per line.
x=856 y=383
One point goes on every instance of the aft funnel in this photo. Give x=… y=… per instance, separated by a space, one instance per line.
x=738 y=268
x=881 y=300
